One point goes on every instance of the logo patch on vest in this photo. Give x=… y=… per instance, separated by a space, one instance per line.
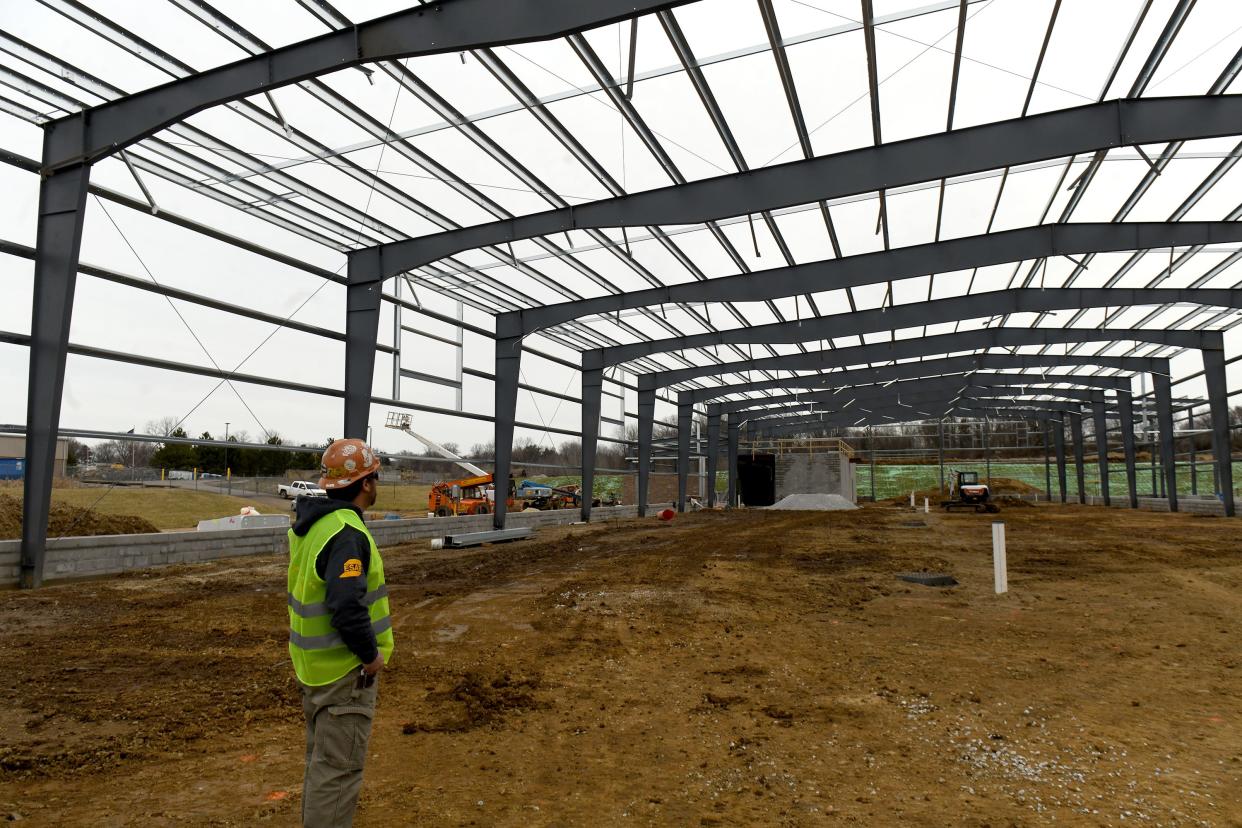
x=352 y=569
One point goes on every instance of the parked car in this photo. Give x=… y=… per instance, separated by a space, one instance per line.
x=300 y=488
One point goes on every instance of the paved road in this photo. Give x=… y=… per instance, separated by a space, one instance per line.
x=270 y=502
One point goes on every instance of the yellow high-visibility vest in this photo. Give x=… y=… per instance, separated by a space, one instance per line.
x=319 y=654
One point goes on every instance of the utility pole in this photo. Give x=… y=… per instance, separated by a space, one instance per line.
x=226 y=458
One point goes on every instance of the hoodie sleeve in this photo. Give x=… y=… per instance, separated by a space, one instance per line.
x=343 y=564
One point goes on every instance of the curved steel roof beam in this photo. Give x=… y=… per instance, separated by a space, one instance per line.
x=888 y=265
x=920 y=394
x=1017 y=141
x=958 y=308
x=837 y=397
x=1021 y=410
x=425 y=30
x=941 y=344
x=947 y=365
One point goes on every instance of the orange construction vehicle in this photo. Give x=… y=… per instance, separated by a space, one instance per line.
x=468 y=496
x=474 y=495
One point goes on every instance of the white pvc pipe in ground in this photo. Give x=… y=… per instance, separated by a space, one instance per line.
x=926 y=508
x=912 y=498
x=999 y=569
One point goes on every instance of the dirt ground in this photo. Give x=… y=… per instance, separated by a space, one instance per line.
x=756 y=668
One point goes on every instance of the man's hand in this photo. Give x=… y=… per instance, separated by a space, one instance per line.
x=375 y=666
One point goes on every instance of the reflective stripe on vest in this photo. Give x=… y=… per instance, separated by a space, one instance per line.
x=330 y=640
x=319 y=608
x=318 y=652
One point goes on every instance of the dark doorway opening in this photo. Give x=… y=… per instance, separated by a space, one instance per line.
x=757 y=478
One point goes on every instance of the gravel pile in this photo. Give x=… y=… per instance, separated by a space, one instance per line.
x=813 y=503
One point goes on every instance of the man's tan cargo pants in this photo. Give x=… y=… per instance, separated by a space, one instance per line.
x=338 y=728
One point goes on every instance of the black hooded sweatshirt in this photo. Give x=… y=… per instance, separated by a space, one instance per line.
x=350 y=617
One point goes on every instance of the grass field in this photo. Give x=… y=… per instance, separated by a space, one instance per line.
x=402 y=498
x=166 y=508
x=171 y=509
x=896 y=480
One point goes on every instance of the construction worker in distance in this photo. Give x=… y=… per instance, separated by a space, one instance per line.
x=340 y=631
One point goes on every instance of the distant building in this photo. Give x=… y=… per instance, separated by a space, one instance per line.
x=13 y=457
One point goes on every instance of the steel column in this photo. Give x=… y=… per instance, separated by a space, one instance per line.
x=734 y=428
x=363 y=296
x=1218 y=403
x=1047 y=460
x=987 y=453
x=508 y=371
x=646 y=423
x=713 y=451
x=940 y=451
x=1194 y=454
x=1164 y=419
x=1058 y=439
x=685 y=412
x=62 y=203
x=592 y=398
x=1080 y=471
x=1125 y=408
x=1101 y=446
x=871 y=451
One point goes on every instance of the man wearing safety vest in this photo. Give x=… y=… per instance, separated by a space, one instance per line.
x=340 y=631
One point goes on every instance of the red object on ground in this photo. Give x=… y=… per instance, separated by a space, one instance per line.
x=666 y=514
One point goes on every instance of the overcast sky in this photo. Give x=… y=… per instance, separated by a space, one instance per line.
x=1003 y=39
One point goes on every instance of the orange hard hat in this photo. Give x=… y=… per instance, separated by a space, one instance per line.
x=345 y=462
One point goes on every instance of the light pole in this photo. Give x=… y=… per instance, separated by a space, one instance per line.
x=226 y=457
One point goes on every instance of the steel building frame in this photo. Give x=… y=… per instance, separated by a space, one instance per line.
x=610 y=325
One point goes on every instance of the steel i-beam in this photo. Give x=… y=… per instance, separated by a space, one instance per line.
x=62 y=204
x=1101 y=445
x=592 y=395
x=646 y=424
x=713 y=452
x=1080 y=459
x=1162 y=386
x=1218 y=402
x=1058 y=436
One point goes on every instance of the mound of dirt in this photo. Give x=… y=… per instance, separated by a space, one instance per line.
x=1007 y=485
x=71 y=521
x=934 y=496
x=813 y=503
x=477 y=700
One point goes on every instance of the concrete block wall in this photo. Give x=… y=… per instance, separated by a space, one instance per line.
x=661 y=488
x=113 y=554
x=820 y=472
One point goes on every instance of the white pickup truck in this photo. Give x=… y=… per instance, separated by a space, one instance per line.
x=300 y=487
